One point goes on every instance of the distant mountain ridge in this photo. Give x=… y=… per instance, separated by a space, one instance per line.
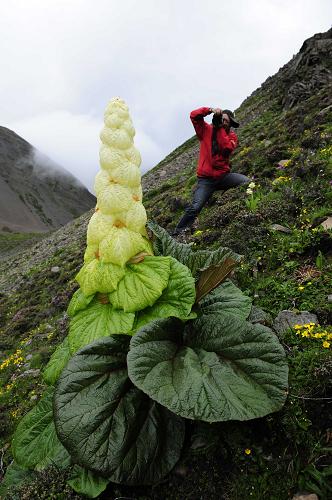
x=36 y=195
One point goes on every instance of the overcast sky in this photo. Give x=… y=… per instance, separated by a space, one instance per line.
x=62 y=60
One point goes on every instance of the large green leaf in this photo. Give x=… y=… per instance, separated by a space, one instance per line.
x=110 y=426
x=87 y=482
x=227 y=298
x=78 y=302
x=176 y=300
x=57 y=362
x=198 y=261
x=35 y=443
x=96 y=276
x=142 y=284
x=220 y=368
x=96 y=321
x=164 y=244
x=14 y=477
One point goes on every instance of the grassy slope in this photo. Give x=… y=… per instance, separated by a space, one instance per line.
x=289 y=450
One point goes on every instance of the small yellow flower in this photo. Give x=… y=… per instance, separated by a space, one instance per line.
x=247 y=451
x=298 y=327
x=326 y=344
x=301 y=288
x=305 y=334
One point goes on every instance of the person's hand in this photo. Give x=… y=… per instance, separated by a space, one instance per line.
x=216 y=111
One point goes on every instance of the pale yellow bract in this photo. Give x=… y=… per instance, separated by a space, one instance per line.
x=116 y=232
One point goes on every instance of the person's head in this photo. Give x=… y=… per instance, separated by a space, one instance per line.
x=225 y=119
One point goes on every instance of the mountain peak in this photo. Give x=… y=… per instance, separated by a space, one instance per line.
x=36 y=194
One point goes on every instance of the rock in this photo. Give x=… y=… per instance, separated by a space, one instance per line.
x=283 y=163
x=282 y=229
x=288 y=319
x=181 y=470
x=329 y=298
x=55 y=269
x=30 y=373
x=327 y=223
x=325 y=111
x=305 y=496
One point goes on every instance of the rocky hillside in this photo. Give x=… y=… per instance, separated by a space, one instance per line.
x=283 y=229
x=36 y=195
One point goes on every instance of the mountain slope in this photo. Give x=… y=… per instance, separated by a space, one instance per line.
x=36 y=195
x=285 y=142
x=292 y=108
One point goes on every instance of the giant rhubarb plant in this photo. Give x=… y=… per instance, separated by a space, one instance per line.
x=157 y=335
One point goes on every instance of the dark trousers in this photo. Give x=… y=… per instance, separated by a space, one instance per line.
x=204 y=190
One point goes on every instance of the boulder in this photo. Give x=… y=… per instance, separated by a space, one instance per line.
x=288 y=319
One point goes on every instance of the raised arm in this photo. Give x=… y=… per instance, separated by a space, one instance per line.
x=197 y=118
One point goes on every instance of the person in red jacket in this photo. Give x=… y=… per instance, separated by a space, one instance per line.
x=217 y=142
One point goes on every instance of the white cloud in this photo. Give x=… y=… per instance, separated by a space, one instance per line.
x=62 y=60
x=72 y=141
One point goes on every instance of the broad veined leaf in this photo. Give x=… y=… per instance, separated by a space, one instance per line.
x=220 y=368
x=57 y=362
x=35 y=443
x=86 y=482
x=176 y=300
x=164 y=244
x=97 y=276
x=223 y=258
x=211 y=277
x=227 y=298
x=142 y=284
x=78 y=302
x=14 y=477
x=124 y=435
x=96 y=321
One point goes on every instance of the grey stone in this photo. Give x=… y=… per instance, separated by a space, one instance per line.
x=55 y=269
x=327 y=223
x=329 y=298
x=30 y=373
x=288 y=319
x=305 y=496
x=282 y=229
x=181 y=470
x=283 y=163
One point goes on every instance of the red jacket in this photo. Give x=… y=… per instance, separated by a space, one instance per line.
x=208 y=165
